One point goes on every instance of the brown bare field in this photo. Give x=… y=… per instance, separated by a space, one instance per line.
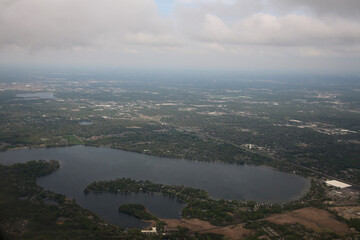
x=313 y=218
x=196 y=225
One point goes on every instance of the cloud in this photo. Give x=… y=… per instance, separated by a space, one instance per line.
x=288 y=30
x=196 y=32
x=152 y=39
x=269 y=24
x=36 y=24
x=223 y=8
x=343 y=8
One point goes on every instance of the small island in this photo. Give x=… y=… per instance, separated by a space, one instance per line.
x=137 y=210
x=128 y=185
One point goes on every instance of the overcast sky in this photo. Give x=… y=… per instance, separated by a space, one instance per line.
x=278 y=35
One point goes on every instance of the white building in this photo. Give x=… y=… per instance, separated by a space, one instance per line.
x=337 y=184
x=152 y=231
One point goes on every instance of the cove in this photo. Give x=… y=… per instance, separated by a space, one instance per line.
x=81 y=165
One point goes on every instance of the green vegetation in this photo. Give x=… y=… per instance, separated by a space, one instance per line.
x=72 y=140
x=183 y=233
x=355 y=223
x=137 y=210
x=128 y=185
x=287 y=231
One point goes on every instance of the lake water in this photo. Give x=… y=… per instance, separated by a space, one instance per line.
x=36 y=96
x=81 y=165
x=86 y=123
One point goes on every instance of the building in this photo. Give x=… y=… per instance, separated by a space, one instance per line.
x=152 y=231
x=337 y=184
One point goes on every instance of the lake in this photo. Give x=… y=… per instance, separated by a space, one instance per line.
x=81 y=165
x=36 y=96
x=86 y=123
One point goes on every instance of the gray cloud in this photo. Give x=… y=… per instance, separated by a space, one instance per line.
x=257 y=24
x=62 y=24
x=36 y=24
x=238 y=8
x=343 y=8
x=199 y=31
x=287 y=30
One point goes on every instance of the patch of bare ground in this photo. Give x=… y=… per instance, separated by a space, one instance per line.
x=347 y=212
x=155 y=118
x=316 y=219
x=196 y=225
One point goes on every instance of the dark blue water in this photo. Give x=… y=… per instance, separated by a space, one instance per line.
x=82 y=165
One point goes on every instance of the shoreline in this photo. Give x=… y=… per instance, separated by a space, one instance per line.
x=302 y=193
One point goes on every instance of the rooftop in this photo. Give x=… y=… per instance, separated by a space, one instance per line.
x=336 y=183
